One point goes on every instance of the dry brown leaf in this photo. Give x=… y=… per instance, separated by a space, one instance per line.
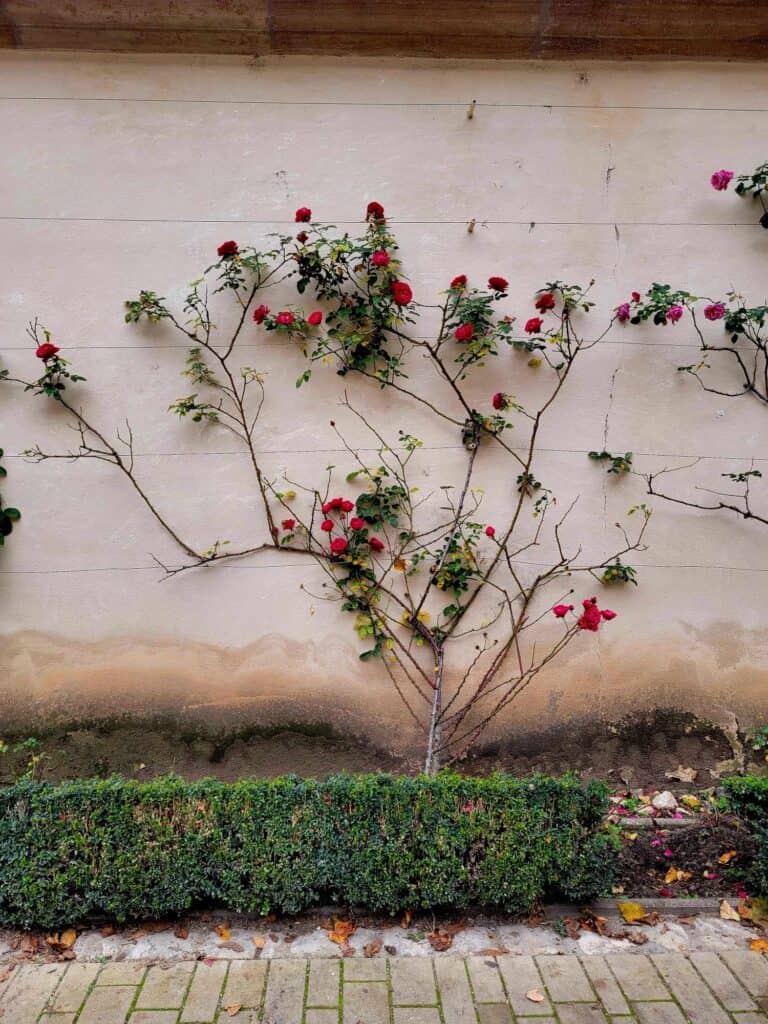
x=341 y=932
x=224 y=932
x=744 y=911
x=440 y=940
x=727 y=912
x=61 y=941
x=234 y=946
x=759 y=945
x=676 y=875
x=534 y=995
x=372 y=948
x=572 y=929
x=259 y=941
x=727 y=857
x=636 y=938
x=635 y=913
x=107 y=930
x=493 y=951
x=232 y=1009
x=181 y=932
x=407 y=918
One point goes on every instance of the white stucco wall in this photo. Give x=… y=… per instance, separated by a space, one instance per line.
x=120 y=173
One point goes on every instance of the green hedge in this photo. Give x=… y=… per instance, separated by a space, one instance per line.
x=748 y=797
x=132 y=850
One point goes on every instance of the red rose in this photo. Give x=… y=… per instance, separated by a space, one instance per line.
x=498 y=284
x=260 y=313
x=374 y=211
x=303 y=215
x=499 y=400
x=460 y=281
x=545 y=302
x=380 y=258
x=288 y=524
x=46 y=350
x=356 y=523
x=607 y=614
x=533 y=326
x=561 y=610
x=401 y=293
x=376 y=544
x=347 y=505
x=228 y=249
x=635 y=296
x=331 y=504
x=302 y=237
x=285 y=318
x=464 y=332
x=590 y=617
x=490 y=531
x=327 y=525
x=315 y=318
x=338 y=545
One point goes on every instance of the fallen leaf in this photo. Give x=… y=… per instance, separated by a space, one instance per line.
x=440 y=940
x=259 y=941
x=759 y=945
x=690 y=801
x=727 y=912
x=232 y=1009
x=181 y=932
x=632 y=836
x=372 y=948
x=727 y=857
x=534 y=995
x=107 y=930
x=682 y=774
x=407 y=918
x=633 y=913
x=636 y=938
x=676 y=875
x=61 y=941
x=744 y=911
x=493 y=951
x=341 y=932
x=224 y=931
x=572 y=929
x=234 y=946
x=595 y=923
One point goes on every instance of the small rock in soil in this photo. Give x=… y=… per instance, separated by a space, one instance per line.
x=664 y=801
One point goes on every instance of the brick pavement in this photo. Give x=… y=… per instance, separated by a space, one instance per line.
x=665 y=988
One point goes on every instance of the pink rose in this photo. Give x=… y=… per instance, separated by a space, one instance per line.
x=490 y=531
x=590 y=617
x=607 y=614
x=315 y=318
x=623 y=313
x=380 y=258
x=674 y=313
x=720 y=180
x=285 y=319
x=714 y=311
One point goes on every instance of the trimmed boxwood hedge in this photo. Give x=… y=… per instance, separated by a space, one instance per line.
x=131 y=850
x=748 y=797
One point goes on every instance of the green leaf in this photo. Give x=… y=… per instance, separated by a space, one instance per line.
x=12 y=513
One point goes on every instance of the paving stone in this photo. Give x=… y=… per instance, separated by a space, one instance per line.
x=245 y=983
x=63 y=1018
x=580 y=1013
x=605 y=985
x=637 y=977
x=690 y=990
x=367 y=1001
x=28 y=993
x=416 y=1015
x=455 y=993
x=494 y=1013
x=659 y=1013
x=122 y=973
x=72 y=990
x=520 y=975
x=154 y=1017
x=750 y=968
x=108 y=1005
x=722 y=982
x=485 y=976
x=165 y=988
x=323 y=983
x=749 y=1018
x=565 y=979
x=204 y=991
x=284 y=1000
x=365 y=969
x=413 y=983
x=325 y=1016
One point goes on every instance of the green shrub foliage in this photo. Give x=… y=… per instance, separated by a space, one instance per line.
x=748 y=797
x=132 y=850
